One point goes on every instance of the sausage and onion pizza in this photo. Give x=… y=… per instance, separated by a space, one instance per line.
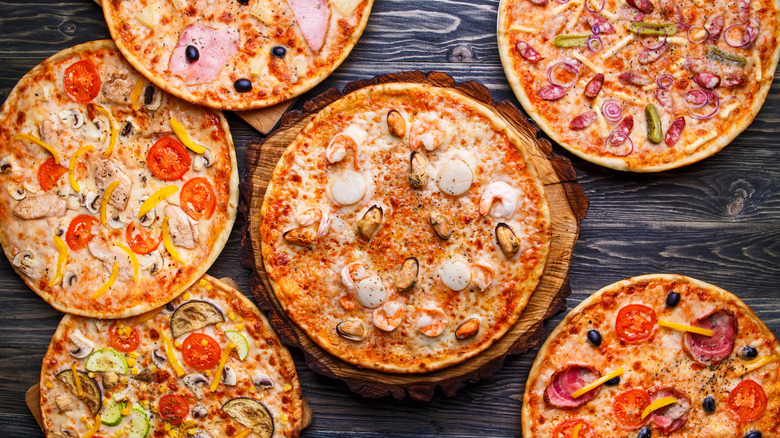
x=115 y=195
x=404 y=228
x=206 y=365
x=640 y=85
x=654 y=356
x=236 y=54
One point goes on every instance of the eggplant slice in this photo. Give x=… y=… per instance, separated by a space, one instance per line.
x=194 y=315
x=252 y=414
x=89 y=388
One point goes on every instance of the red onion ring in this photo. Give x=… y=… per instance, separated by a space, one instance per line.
x=745 y=39
x=696 y=98
x=693 y=30
x=566 y=66
x=644 y=39
x=665 y=81
x=617 y=138
x=587 y=6
x=595 y=29
x=708 y=115
x=594 y=43
x=611 y=110
x=562 y=1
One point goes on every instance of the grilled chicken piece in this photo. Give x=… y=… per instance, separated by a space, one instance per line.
x=101 y=252
x=183 y=232
x=118 y=87
x=43 y=206
x=108 y=171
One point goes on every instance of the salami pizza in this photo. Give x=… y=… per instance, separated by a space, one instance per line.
x=640 y=85
x=205 y=365
x=236 y=55
x=656 y=355
x=116 y=196
x=404 y=228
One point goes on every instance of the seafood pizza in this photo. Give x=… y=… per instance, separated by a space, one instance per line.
x=654 y=356
x=206 y=365
x=116 y=196
x=404 y=229
x=236 y=55
x=640 y=85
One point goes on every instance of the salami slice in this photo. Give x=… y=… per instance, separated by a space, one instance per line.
x=733 y=80
x=645 y=6
x=594 y=85
x=634 y=78
x=567 y=381
x=713 y=349
x=707 y=80
x=583 y=120
x=672 y=417
x=551 y=92
x=675 y=131
x=715 y=27
x=528 y=52
x=651 y=55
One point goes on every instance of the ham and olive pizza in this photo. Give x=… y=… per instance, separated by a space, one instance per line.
x=640 y=85
x=116 y=196
x=404 y=229
x=206 y=365
x=236 y=54
x=654 y=356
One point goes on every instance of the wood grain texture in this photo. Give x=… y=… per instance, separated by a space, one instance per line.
x=717 y=220
x=568 y=206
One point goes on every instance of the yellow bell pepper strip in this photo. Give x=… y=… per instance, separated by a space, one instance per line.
x=172 y=355
x=155 y=199
x=94 y=429
x=596 y=383
x=576 y=432
x=185 y=138
x=72 y=166
x=685 y=327
x=658 y=404
x=243 y=433
x=33 y=139
x=104 y=201
x=133 y=259
x=62 y=257
x=135 y=96
x=107 y=285
x=112 y=129
x=758 y=363
x=76 y=380
x=230 y=346
x=168 y=243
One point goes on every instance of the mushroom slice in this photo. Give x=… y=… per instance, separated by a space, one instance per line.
x=352 y=329
x=82 y=345
x=300 y=236
x=194 y=382
x=468 y=329
x=441 y=225
x=152 y=262
x=158 y=357
x=261 y=380
x=229 y=377
x=26 y=263
x=418 y=170
x=116 y=222
x=92 y=202
x=396 y=123
x=69 y=279
x=202 y=161
x=194 y=315
x=6 y=164
x=89 y=389
x=152 y=97
x=199 y=411
x=507 y=240
x=252 y=414
x=369 y=224
x=407 y=276
x=73 y=118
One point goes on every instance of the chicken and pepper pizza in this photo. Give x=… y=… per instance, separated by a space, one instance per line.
x=115 y=195
x=236 y=54
x=206 y=365
x=654 y=356
x=404 y=229
x=640 y=85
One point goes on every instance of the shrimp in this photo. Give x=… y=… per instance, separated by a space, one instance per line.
x=389 y=316
x=427 y=131
x=482 y=274
x=337 y=149
x=346 y=302
x=311 y=215
x=499 y=196
x=351 y=272
x=432 y=321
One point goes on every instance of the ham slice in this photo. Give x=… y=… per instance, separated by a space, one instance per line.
x=672 y=417
x=566 y=382
x=713 y=349
x=215 y=47
x=312 y=17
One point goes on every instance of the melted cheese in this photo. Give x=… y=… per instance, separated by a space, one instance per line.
x=691 y=148
x=612 y=50
x=586 y=62
x=526 y=29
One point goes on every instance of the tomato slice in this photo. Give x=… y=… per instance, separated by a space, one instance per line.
x=80 y=231
x=635 y=323
x=168 y=159
x=49 y=173
x=82 y=81
x=140 y=240
x=201 y=351
x=123 y=338
x=197 y=198
x=565 y=429
x=628 y=407
x=747 y=401
x=173 y=408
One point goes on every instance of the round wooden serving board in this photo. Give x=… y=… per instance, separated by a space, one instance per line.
x=568 y=206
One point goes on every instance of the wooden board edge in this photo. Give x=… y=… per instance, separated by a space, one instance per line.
x=32 y=399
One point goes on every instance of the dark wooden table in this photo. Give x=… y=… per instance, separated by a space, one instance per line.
x=718 y=220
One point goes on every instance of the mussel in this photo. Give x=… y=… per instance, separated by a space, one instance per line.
x=441 y=225
x=507 y=240
x=418 y=170
x=352 y=329
x=396 y=123
x=369 y=224
x=467 y=329
x=300 y=236
x=407 y=276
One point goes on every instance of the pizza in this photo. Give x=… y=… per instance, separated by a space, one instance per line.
x=656 y=355
x=205 y=365
x=236 y=55
x=116 y=196
x=640 y=85
x=404 y=228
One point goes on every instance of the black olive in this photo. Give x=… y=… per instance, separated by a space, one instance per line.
x=708 y=404
x=242 y=85
x=613 y=381
x=754 y=434
x=644 y=432
x=192 y=54
x=594 y=337
x=672 y=299
x=170 y=307
x=748 y=352
x=279 y=51
x=148 y=95
x=243 y=2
